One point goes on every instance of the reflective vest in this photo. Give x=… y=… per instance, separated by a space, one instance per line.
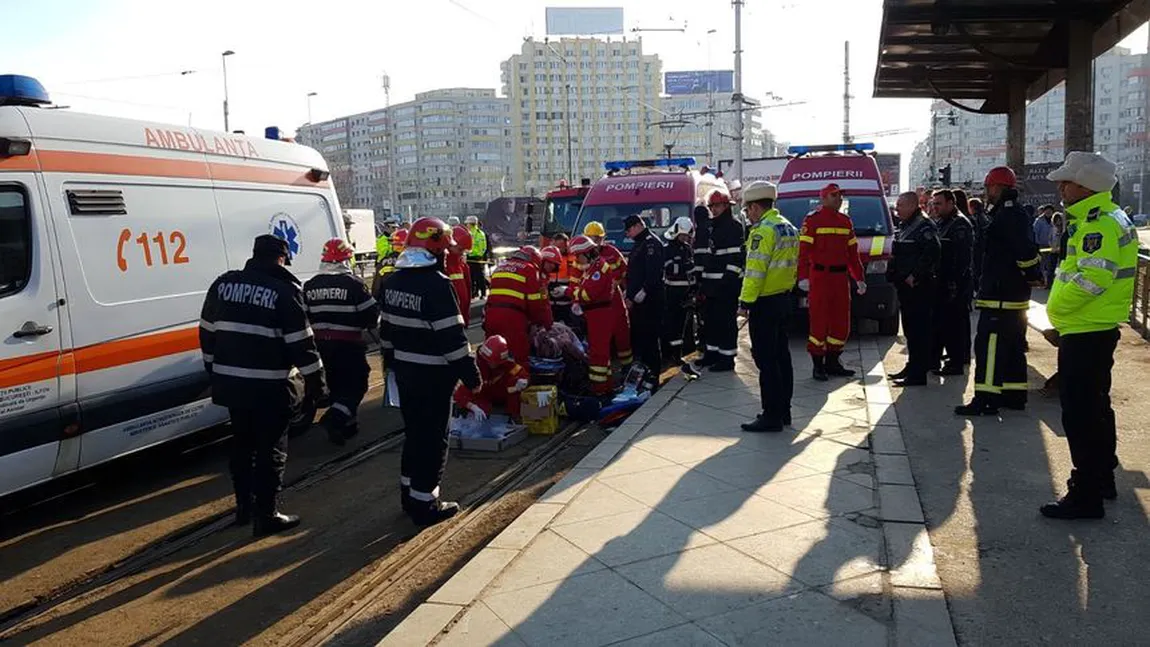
x=478 y=244
x=772 y=258
x=382 y=246
x=1094 y=286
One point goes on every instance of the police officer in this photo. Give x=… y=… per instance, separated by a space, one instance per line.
x=721 y=281
x=645 y=295
x=952 y=293
x=253 y=330
x=383 y=241
x=765 y=299
x=1009 y=269
x=425 y=346
x=679 y=279
x=1091 y=296
x=912 y=271
x=477 y=257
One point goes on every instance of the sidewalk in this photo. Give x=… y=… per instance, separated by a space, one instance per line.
x=680 y=529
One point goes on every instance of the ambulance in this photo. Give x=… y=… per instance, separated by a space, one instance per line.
x=853 y=168
x=110 y=232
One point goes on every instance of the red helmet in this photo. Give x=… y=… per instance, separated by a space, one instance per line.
x=581 y=245
x=1001 y=175
x=462 y=238
x=532 y=255
x=431 y=234
x=399 y=239
x=718 y=196
x=336 y=250
x=494 y=350
x=551 y=254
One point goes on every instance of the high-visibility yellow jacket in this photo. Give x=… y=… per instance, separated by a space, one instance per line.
x=772 y=258
x=1094 y=286
x=382 y=246
x=478 y=244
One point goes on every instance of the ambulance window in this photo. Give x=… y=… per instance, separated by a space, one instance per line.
x=15 y=240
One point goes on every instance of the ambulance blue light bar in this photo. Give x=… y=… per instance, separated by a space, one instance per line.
x=623 y=165
x=858 y=147
x=18 y=90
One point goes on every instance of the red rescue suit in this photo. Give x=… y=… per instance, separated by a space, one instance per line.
x=460 y=275
x=828 y=255
x=595 y=294
x=517 y=298
x=500 y=387
x=616 y=265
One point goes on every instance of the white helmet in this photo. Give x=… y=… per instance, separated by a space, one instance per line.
x=471 y=220
x=453 y=220
x=683 y=225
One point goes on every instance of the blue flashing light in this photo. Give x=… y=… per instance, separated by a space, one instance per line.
x=623 y=165
x=858 y=147
x=17 y=90
x=272 y=132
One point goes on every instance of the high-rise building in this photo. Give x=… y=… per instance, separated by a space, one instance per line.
x=447 y=153
x=576 y=103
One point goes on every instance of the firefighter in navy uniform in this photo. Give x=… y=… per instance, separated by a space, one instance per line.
x=952 y=294
x=253 y=330
x=701 y=246
x=722 y=279
x=913 y=271
x=341 y=310
x=679 y=277
x=645 y=296
x=1010 y=267
x=424 y=344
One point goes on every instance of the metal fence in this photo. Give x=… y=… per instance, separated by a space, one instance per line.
x=1140 y=308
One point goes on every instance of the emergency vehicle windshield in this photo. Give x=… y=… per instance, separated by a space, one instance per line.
x=658 y=216
x=562 y=213
x=869 y=213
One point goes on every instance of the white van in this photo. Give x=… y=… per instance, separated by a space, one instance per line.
x=110 y=232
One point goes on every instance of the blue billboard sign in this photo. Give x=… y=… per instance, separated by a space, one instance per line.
x=699 y=81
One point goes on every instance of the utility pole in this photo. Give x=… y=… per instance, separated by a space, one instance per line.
x=738 y=98
x=847 y=92
x=933 y=144
x=710 y=105
x=224 y=59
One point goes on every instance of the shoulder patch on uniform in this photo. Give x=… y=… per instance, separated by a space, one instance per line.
x=755 y=240
x=1093 y=215
x=1091 y=243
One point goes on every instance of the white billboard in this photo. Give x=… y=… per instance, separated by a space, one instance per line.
x=584 y=21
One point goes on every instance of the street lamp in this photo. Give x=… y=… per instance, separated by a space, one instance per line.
x=309 y=96
x=224 y=59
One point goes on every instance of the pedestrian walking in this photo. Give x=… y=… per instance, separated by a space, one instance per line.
x=518 y=300
x=913 y=269
x=828 y=259
x=425 y=347
x=1009 y=270
x=253 y=330
x=341 y=311
x=678 y=277
x=477 y=257
x=765 y=299
x=646 y=296
x=1090 y=298
x=953 y=288
x=722 y=279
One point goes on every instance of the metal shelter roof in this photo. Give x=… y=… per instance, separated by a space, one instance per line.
x=972 y=49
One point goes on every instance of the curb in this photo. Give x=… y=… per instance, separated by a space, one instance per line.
x=921 y=615
x=433 y=617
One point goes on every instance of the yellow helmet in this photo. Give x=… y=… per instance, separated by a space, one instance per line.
x=594 y=228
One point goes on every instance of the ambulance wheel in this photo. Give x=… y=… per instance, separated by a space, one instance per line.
x=303 y=418
x=888 y=327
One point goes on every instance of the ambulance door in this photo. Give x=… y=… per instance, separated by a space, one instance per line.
x=31 y=363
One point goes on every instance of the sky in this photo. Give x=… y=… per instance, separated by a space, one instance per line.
x=161 y=60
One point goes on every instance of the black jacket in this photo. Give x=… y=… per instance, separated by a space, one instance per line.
x=645 y=268
x=421 y=328
x=679 y=265
x=702 y=242
x=954 y=269
x=340 y=307
x=723 y=266
x=1010 y=257
x=253 y=330
x=915 y=253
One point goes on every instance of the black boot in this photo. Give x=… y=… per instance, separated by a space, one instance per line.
x=723 y=364
x=819 y=372
x=243 y=514
x=276 y=522
x=351 y=430
x=761 y=424
x=709 y=357
x=978 y=406
x=333 y=425
x=1108 y=489
x=1075 y=505
x=949 y=369
x=787 y=419
x=429 y=513
x=834 y=367
x=405 y=497
x=899 y=375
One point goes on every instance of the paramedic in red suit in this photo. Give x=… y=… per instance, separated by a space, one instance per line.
x=828 y=259
x=616 y=265
x=593 y=296
x=516 y=299
x=503 y=380
x=459 y=272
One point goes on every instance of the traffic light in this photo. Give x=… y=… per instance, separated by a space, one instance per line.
x=944 y=175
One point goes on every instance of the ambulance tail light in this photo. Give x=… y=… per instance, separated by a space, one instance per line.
x=858 y=147
x=14 y=147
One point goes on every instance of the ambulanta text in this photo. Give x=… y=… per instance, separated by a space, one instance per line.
x=182 y=141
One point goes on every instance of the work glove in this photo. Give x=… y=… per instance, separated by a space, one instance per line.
x=861 y=288
x=640 y=296
x=520 y=384
x=558 y=291
x=805 y=285
x=477 y=411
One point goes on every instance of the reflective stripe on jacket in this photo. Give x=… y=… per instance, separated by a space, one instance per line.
x=772 y=258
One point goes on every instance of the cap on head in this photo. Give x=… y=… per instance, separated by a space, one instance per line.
x=594 y=228
x=1090 y=170
x=471 y=220
x=760 y=190
x=1001 y=175
x=581 y=245
x=632 y=220
x=829 y=190
x=453 y=220
x=336 y=250
x=268 y=246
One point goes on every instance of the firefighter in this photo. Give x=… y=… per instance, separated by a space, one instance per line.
x=554 y=265
x=503 y=381
x=678 y=277
x=765 y=299
x=424 y=345
x=828 y=255
x=595 y=231
x=1091 y=297
x=721 y=281
x=253 y=330
x=518 y=300
x=1010 y=268
x=477 y=257
x=341 y=310
x=701 y=248
x=593 y=296
x=458 y=270
x=952 y=294
x=645 y=295
x=913 y=271
x=616 y=265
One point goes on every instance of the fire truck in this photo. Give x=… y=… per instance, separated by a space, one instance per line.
x=560 y=212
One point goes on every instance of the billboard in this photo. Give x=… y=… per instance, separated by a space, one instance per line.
x=769 y=169
x=699 y=81
x=1034 y=189
x=584 y=21
x=890 y=169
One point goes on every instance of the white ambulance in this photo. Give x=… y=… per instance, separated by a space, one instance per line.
x=110 y=232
